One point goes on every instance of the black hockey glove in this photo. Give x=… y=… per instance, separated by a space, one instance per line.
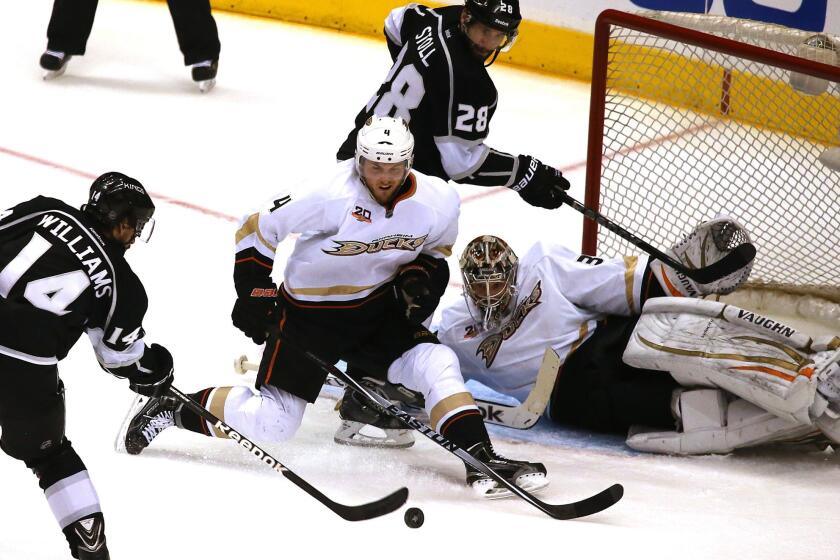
x=156 y=374
x=419 y=286
x=539 y=184
x=255 y=312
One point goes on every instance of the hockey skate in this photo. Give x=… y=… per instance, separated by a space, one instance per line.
x=146 y=419
x=204 y=74
x=364 y=426
x=528 y=476
x=87 y=538
x=54 y=63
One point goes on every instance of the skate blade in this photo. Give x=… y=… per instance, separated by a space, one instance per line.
x=364 y=435
x=138 y=403
x=205 y=86
x=53 y=74
x=489 y=490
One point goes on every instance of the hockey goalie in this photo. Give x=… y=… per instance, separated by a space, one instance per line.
x=683 y=375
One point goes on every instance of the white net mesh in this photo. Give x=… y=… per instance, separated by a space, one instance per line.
x=691 y=131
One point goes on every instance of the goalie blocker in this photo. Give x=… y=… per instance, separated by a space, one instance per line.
x=754 y=380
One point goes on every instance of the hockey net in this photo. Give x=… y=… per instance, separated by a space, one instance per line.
x=694 y=115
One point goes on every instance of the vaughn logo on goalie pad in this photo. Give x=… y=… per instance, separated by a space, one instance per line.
x=766 y=322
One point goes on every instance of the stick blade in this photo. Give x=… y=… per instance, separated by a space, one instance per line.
x=734 y=261
x=591 y=505
x=384 y=506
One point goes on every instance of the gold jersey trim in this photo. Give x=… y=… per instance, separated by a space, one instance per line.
x=217 y=407
x=447 y=405
x=330 y=290
x=631 y=263
x=252 y=226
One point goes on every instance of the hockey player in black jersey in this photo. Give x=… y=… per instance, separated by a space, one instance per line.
x=62 y=273
x=440 y=85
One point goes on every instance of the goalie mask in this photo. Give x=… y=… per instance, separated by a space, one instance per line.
x=488 y=268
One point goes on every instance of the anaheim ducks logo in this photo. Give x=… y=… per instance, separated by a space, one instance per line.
x=399 y=242
x=489 y=347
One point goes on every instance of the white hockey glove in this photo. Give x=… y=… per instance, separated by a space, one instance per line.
x=707 y=244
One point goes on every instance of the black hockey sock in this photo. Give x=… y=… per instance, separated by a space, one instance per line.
x=465 y=428
x=191 y=421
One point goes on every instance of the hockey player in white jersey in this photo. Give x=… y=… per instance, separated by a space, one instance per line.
x=373 y=239
x=733 y=383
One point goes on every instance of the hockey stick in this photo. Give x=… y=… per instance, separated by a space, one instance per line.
x=525 y=415
x=587 y=506
x=735 y=260
x=521 y=416
x=389 y=503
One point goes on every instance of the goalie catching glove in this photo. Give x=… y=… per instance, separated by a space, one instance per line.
x=539 y=184
x=707 y=244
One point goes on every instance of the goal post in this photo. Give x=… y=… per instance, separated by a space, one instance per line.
x=694 y=115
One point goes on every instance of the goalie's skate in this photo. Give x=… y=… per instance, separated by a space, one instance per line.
x=54 y=63
x=528 y=476
x=145 y=420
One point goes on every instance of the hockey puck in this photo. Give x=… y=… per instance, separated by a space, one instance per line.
x=414 y=517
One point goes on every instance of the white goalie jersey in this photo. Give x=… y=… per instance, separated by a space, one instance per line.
x=560 y=297
x=349 y=244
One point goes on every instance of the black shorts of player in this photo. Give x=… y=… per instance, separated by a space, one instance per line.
x=597 y=391
x=368 y=334
x=31 y=409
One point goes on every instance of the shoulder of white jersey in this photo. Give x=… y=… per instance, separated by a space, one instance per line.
x=543 y=249
x=438 y=190
x=453 y=316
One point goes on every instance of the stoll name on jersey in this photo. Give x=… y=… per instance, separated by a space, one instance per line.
x=425 y=41
x=79 y=246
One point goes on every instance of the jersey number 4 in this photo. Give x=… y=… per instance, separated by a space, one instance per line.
x=53 y=293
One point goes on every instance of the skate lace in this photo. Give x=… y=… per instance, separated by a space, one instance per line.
x=158 y=423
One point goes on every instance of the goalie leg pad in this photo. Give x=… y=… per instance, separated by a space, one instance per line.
x=713 y=424
x=711 y=344
x=267 y=415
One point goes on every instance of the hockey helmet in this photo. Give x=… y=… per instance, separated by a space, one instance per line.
x=488 y=269
x=501 y=15
x=114 y=196
x=385 y=140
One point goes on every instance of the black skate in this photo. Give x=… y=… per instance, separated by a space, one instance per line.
x=528 y=476
x=87 y=538
x=145 y=421
x=363 y=425
x=54 y=63
x=204 y=74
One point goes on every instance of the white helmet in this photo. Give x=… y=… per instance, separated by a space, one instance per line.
x=385 y=139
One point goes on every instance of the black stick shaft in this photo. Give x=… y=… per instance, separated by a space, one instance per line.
x=361 y=512
x=590 y=505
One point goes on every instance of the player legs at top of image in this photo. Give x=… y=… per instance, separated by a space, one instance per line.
x=374 y=238
x=439 y=84
x=63 y=272
x=71 y=22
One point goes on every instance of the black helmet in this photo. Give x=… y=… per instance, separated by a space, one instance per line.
x=503 y=15
x=114 y=196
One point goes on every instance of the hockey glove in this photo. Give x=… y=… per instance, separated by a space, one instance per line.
x=419 y=286
x=539 y=184
x=255 y=312
x=155 y=373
